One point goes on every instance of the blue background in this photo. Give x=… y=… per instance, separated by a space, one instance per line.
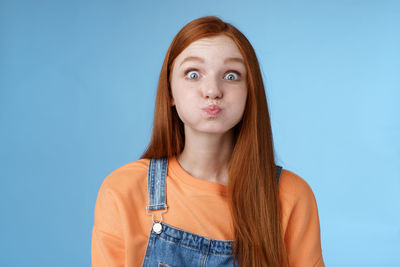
x=78 y=81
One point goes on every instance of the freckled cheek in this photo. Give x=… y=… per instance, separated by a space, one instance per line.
x=189 y=114
x=184 y=94
x=236 y=111
x=186 y=108
x=238 y=95
x=240 y=104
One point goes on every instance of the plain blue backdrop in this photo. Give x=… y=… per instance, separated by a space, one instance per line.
x=77 y=89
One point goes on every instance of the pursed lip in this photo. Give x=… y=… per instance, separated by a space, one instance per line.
x=212 y=110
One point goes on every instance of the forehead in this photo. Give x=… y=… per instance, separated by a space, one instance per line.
x=221 y=46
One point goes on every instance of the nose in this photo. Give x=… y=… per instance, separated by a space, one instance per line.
x=212 y=88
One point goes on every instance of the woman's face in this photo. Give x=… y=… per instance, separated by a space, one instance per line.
x=208 y=84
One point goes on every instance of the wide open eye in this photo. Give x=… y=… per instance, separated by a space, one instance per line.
x=192 y=74
x=232 y=76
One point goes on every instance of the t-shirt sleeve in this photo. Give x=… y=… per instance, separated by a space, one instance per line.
x=107 y=234
x=301 y=223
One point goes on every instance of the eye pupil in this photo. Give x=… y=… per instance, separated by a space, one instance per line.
x=193 y=75
x=231 y=76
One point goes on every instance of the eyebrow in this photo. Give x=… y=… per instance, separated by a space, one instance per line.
x=230 y=59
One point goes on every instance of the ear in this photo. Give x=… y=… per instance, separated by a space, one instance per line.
x=171 y=97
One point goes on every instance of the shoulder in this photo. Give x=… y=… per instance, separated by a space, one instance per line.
x=119 y=192
x=293 y=188
x=300 y=220
x=131 y=176
x=298 y=204
x=296 y=198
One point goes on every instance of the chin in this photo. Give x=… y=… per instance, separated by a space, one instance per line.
x=215 y=130
x=215 y=127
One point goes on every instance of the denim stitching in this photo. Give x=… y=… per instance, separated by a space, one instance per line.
x=177 y=241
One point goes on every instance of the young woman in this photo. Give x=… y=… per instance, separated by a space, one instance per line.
x=207 y=192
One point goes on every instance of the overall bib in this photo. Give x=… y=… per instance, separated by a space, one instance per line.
x=172 y=247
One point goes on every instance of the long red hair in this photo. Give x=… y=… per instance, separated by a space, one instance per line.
x=253 y=187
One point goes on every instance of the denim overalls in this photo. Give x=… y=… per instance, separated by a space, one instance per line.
x=172 y=247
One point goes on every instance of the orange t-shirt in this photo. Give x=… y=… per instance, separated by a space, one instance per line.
x=122 y=227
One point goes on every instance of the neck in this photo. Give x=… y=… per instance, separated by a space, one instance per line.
x=206 y=156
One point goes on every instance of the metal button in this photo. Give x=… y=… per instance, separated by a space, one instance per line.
x=157 y=227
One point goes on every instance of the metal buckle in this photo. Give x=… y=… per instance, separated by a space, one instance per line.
x=152 y=214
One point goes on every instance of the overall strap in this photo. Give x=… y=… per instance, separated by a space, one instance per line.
x=278 y=172
x=157 y=184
